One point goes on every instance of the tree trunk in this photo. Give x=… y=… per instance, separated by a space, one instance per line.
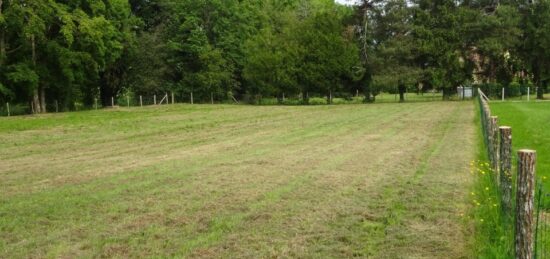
x=305 y=98
x=368 y=94
x=2 y=40
x=43 y=99
x=2 y=46
x=541 y=89
x=537 y=81
x=35 y=94
x=402 y=93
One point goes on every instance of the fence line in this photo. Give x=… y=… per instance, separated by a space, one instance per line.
x=530 y=238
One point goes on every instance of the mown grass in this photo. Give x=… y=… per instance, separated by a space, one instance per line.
x=383 y=180
x=530 y=122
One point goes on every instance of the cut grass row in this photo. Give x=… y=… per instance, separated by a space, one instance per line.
x=237 y=181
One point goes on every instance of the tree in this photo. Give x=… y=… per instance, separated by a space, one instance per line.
x=536 y=41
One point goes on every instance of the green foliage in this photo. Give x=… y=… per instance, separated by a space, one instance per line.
x=77 y=51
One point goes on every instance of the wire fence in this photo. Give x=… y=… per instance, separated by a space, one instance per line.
x=164 y=98
x=542 y=226
x=527 y=205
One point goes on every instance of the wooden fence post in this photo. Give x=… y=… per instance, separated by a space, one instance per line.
x=155 y=99
x=525 y=199
x=8 y=106
x=212 y=98
x=140 y=101
x=503 y=94
x=528 y=94
x=506 y=168
x=172 y=97
x=112 y=101
x=494 y=144
x=191 y=97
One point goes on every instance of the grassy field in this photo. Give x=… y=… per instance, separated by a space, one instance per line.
x=530 y=122
x=383 y=180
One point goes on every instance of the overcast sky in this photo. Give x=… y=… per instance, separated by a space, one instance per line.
x=346 y=1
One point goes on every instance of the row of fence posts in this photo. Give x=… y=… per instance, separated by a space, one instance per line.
x=503 y=95
x=164 y=99
x=498 y=141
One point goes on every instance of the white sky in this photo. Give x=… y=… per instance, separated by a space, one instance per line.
x=346 y=1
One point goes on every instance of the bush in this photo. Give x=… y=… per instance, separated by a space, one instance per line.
x=289 y=101
x=317 y=101
x=15 y=109
x=340 y=101
x=514 y=89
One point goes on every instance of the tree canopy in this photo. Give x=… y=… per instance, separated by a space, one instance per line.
x=69 y=51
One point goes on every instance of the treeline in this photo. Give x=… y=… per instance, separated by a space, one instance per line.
x=76 y=51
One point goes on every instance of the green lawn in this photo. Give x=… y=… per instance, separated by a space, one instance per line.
x=530 y=122
x=217 y=181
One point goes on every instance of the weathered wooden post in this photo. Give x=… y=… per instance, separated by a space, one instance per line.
x=494 y=144
x=528 y=94
x=506 y=168
x=140 y=101
x=8 y=106
x=211 y=98
x=112 y=101
x=172 y=97
x=191 y=97
x=155 y=99
x=525 y=199
x=503 y=94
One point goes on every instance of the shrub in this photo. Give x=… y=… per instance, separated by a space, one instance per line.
x=317 y=101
